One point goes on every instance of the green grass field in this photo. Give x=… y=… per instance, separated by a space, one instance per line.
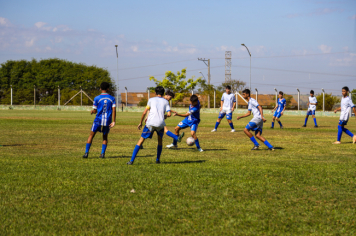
x=307 y=186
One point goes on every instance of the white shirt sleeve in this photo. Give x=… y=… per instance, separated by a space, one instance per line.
x=222 y=97
x=148 y=104
x=351 y=104
x=168 y=108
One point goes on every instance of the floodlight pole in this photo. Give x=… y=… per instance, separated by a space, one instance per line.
x=237 y=101
x=148 y=93
x=208 y=64
x=256 y=94
x=117 y=75
x=59 y=98
x=81 y=96
x=34 y=95
x=250 y=61
x=126 y=96
x=11 y=95
x=214 y=98
x=276 y=95
x=323 y=99
x=298 y=98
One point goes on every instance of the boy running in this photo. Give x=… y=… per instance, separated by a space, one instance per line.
x=105 y=109
x=157 y=108
x=192 y=120
x=256 y=124
x=228 y=103
x=346 y=105
x=281 y=106
x=311 y=109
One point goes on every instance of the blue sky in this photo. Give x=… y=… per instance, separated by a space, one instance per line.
x=305 y=44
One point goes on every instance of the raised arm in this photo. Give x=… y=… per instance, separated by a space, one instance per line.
x=246 y=115
x=338 y=109
x=261 y=111
x=182 y=115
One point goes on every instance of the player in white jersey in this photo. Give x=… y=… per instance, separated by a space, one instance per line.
x=228 y=103
x=311 y=108
x=157 y=106
x=346 y=105
x=256 y=124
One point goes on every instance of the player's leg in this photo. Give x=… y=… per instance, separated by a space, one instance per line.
x=273 y=119
x=279 y=121
x=306 y=119
x=104 y=145
x=313 y=115
x=250 y=126
x=146 y=133
x=176 y=138
x=229 y=120
x=258 y=134
x=90 y=139
x=159 y=146
x=339 y=132
x=221 y=116
x=193 y=132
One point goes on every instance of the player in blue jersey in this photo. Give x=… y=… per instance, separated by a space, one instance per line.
x=228 y=103
x=280 y=107
x=256 y=124
x=156 y=109
x=311 y=109
x=105 y=109
x=192 y=120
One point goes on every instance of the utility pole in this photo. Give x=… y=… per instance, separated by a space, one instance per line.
x=250 y=61
x=208 y=64
x=227 y=67
x=117 y=75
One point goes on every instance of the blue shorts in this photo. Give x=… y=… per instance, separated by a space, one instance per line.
x=187 y=123
x=343 y=122
x=228 y=115
x=102 y=129
x=277 y=114
x=309 y=113
x=147 y=133
x=253 y=126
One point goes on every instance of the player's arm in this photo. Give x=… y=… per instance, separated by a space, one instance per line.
x=113 y=117
x=233 y=106
x=275 y=107
x=354 y=110
x=143 y=117
x=246 y=115
x=338 y=109
x=182 y=115
x=261 y=111
x=221 y=104
x=95 y=108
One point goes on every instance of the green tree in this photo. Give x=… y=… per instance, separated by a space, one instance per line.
x=236 y=85
x=178 y=83
x=330 y=101
x=353 y=92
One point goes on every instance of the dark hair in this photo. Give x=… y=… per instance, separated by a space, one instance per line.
x=194 y=98
x=247 y=91
x=312 y=91
x=281 y=93
x=228 y=87
x=159 y=90
x=170 y=93
x=346 y=88
x=104 y=86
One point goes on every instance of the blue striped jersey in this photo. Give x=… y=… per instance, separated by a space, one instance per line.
x=104 y=103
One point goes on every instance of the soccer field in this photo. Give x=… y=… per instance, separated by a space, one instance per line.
x=306 y=186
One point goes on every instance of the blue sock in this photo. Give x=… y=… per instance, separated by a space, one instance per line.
x=170 y=134
x=134 y=153
x=217 y=125
x=339 y=133
x=268 y=144
x=272 y=124
x=103 y=148
x=175 y=142
x=280 y=123
x=159 y=151
x=254 y=141
x=87 y=147
x=348 y=132
x=315 y=122
x=197 y=143
x=306 y=120
x=231 y=125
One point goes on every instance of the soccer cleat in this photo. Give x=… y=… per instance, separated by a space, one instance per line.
x=232 y=131
x=86 y=155
x=271 y=149
x=141 y=147
x=171 y=146
x=200 y=150
x=129 y=163
x=214 y=130
x=255 y=148
x=354 y=139
x=282 y=127
x=158 y=162
x=337 y=142
x=102 y=155
x=272 y=127
x=304 y=126
x=315 y=126
x=180 y=137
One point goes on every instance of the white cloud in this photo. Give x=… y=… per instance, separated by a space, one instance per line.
x=353 y=17
x=325 y=48
x=30 y=43
x=134 y=48
x=349 y=60
x=4 y=22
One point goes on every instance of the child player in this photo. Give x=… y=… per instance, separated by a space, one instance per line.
x=346 y=105
x=157 y=107
x=192 y=120
x=228 y=102
x=256 y=124
x=281 y=106
x=311 y=109
x=105 y=109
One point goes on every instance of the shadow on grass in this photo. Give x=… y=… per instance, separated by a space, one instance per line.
x=12 y=145
x=184 y=162
x=130 y=156
x=279 y=148
x=194 y=149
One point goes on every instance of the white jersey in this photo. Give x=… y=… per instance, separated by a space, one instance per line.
x=346 y=105
x=229 y=100
x=253 y=106
x=158 y=106
x=312 y=100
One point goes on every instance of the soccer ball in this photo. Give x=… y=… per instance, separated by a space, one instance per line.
x=190 y=141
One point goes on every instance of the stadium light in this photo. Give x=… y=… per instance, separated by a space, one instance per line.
x=256 y=94
x=298 y=97
x=276 y=95
x=250 y=61
x=202 y=75
x=117 y=74
x=323 y=99
x=126 y=96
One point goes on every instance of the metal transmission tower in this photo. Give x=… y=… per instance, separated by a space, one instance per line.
x=227 y=66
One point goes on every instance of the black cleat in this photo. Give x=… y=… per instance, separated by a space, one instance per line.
x=180 y=137
x=255 y=148
x=304 y=126
x=158 y=162
x=86 y=155
x=272 y=127
x=315 y=126
x=271 y=149
x=141 y=147
x=102 y=155
x=282 y=127
x=129 y=163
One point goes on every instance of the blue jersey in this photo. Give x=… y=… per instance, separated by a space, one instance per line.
x=194 y=113
x=281 y=104
x=104 y=104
